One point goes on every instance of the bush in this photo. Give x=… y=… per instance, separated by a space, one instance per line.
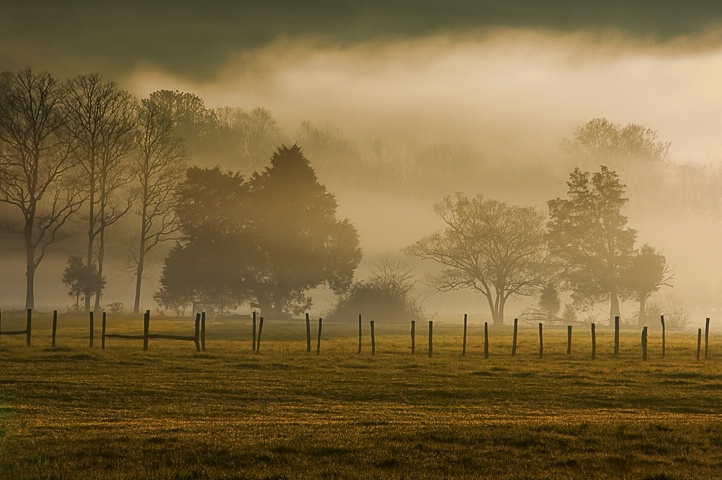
x=385 y=297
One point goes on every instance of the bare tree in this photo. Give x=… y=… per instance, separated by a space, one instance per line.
x=101 y=122
x=158 y=168
x=490 y=246
x=36 y=171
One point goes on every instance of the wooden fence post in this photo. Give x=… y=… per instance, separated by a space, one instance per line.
x=664 y=342
x=486 y=339
x=594 y=341
x=360 y=333
x=197 y=335
x=616 y=336
x=644 y=344
x=413 y=337
x=258 y=340
x=699 y=341
x=253 y=333
x=308 y=333
x=431 y=338
x=102 y=334
x=146 y=329
x=29 y=327
x=318 y=342
x=541 y=340
x=55 y=325
x=92 y=327
x=203 y=331
x=373 y=339
x=706 y=339
x=513 y=341
x=569 y=339
x=463 y=350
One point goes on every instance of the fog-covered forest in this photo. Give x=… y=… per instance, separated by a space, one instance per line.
x=394 y=120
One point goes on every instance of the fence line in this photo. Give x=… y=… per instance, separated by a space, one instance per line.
x=199 y=336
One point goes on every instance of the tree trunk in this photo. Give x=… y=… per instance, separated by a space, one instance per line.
x=141 y=246
x=101 y=257
x=642 y=319
x=91 y=237
x=138 y=280
x=496 y=308
x=614 y=310
x=29 y=273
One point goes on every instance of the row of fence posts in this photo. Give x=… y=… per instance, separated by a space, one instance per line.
x=199 y=337
x=644 y=339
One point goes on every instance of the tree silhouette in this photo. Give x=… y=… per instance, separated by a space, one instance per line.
x=101 y=124
x=158 y=167
x=647 y=273
x=589 y=234
x=266 y=241
x=490 y=246
x=81 y=278
x=36 y=171
x=302 y=243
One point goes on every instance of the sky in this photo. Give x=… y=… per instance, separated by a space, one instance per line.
x=509 y=78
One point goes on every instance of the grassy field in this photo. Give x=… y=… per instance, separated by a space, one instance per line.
x=171 y=413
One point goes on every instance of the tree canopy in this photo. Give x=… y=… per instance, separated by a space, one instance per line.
x=266 y=241
x=487 y=245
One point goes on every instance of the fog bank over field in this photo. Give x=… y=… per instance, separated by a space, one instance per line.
x=512 y=93
x=396 y=114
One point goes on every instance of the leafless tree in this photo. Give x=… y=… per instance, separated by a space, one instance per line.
x=36 y=170
x=158 y=168
x=101 y=123
x=489 y=246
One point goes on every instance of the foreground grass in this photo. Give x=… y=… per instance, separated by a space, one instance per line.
x=170 y=413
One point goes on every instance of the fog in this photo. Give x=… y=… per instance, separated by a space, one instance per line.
x=510 y=92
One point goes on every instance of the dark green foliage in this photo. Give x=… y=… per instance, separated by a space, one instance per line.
x=265 y=241
x=81 y=278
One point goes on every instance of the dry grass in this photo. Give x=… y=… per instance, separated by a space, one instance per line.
x=170 y=413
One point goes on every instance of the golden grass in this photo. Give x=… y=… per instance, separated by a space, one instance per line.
x=170 y=413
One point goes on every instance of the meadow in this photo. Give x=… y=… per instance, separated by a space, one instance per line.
x=72 y=412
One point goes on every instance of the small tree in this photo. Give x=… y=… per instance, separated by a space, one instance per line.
x=549 y=302
x=80 y=279
x=647 y=273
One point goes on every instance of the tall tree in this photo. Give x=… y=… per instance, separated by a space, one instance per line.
x=489 y=246
x=212 y=262
x=101 y=122
x=589 y=234
x=36 y=171
x=647 y=273
x=158 y=168
x=303 y=244
x=266 y=241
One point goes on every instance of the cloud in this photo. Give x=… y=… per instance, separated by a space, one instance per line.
x=509 y=92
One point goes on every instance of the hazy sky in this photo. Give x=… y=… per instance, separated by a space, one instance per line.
x=511 y=78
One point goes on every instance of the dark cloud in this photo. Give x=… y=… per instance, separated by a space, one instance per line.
x=194 y=38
